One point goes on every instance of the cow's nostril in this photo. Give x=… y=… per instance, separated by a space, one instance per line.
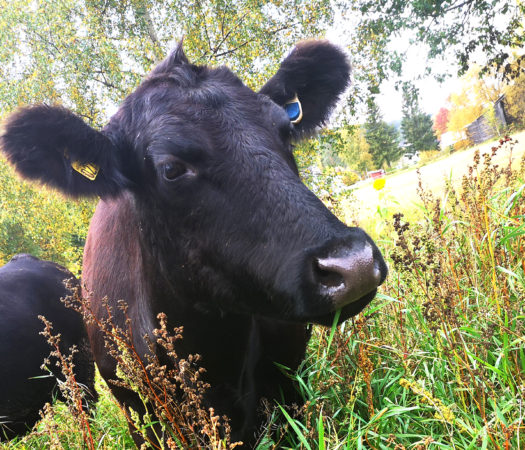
x=346 y=276
x=327 y=276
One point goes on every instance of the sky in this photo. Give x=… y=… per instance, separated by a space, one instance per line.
x=433 y=94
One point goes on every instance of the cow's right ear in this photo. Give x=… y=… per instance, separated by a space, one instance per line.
x=52 y=145
x=309 y=83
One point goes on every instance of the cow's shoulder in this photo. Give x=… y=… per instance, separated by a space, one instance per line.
x=113 y=269
x=112 y=247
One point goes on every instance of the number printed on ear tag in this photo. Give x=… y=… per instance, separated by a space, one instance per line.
x=294 y=110
x=90 y=171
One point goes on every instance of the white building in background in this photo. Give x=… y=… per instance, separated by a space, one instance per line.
x=450 y=138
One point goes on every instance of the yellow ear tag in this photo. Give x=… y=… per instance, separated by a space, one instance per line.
x=90 y=171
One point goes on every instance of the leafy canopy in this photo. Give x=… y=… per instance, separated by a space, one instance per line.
x=88 y=54
x=461 y=28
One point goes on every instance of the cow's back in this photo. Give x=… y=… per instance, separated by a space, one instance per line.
x=30 y=287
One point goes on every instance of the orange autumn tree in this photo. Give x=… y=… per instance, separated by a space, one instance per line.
x=441 y=122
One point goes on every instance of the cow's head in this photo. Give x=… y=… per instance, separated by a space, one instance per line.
x=209 y=165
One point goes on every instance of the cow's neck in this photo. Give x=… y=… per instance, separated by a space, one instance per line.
x=229 y=345
x=238 y=351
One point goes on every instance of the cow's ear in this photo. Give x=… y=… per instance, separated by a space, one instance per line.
x=309 y=83
x=52 y=145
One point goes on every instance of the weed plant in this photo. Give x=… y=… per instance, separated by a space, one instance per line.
x=438 y=359
x=170 y=388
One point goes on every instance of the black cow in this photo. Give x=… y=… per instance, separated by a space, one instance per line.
x=204 y=217
x=30 y=287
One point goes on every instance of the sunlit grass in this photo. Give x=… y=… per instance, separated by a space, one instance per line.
x=436 y=361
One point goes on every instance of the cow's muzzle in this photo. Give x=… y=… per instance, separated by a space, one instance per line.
x=346 y=277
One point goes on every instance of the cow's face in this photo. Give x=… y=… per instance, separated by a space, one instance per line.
x=210 y=167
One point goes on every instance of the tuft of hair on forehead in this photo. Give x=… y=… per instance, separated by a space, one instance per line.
x=176 y=58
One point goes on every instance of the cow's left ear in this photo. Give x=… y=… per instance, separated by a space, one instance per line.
x=52 y=145
x=309 y=83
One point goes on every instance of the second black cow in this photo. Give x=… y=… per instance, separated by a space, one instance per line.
x=30 y=287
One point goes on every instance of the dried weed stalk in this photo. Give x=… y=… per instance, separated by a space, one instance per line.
x=76 y=397
x=171 y=388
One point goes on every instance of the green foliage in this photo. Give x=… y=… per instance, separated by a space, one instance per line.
x=356 y=150
x=492 y=120
x=328 y=147
x=344 y=146
x=88 y=54
x=40 y=222
x=383 y=139
x=416 y=126
x=349 y=177
x=461 y=28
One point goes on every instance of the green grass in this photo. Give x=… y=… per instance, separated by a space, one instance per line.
x=436 y=361
x=61 y=429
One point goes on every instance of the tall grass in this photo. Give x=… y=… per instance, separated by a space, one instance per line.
x=438 y=359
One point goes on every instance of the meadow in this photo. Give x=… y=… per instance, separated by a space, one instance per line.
x=436 y=361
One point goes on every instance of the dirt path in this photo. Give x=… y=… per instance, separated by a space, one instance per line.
x=401 y=188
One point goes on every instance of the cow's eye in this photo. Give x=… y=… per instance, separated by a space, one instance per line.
x=173 y=170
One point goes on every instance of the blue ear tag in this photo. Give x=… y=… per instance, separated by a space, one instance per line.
x=294 y=110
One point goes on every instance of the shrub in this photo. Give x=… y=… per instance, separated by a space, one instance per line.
x=427 y=156
x=463 y=144
x=41 y=222
x=348 y=177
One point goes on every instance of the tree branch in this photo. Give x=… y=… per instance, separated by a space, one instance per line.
x=150 y=29
x=233 y=50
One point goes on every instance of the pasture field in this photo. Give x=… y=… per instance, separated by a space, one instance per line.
x=400 y=191
x=438 y=359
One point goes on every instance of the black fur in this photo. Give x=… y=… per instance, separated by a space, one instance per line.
x=30 y=287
